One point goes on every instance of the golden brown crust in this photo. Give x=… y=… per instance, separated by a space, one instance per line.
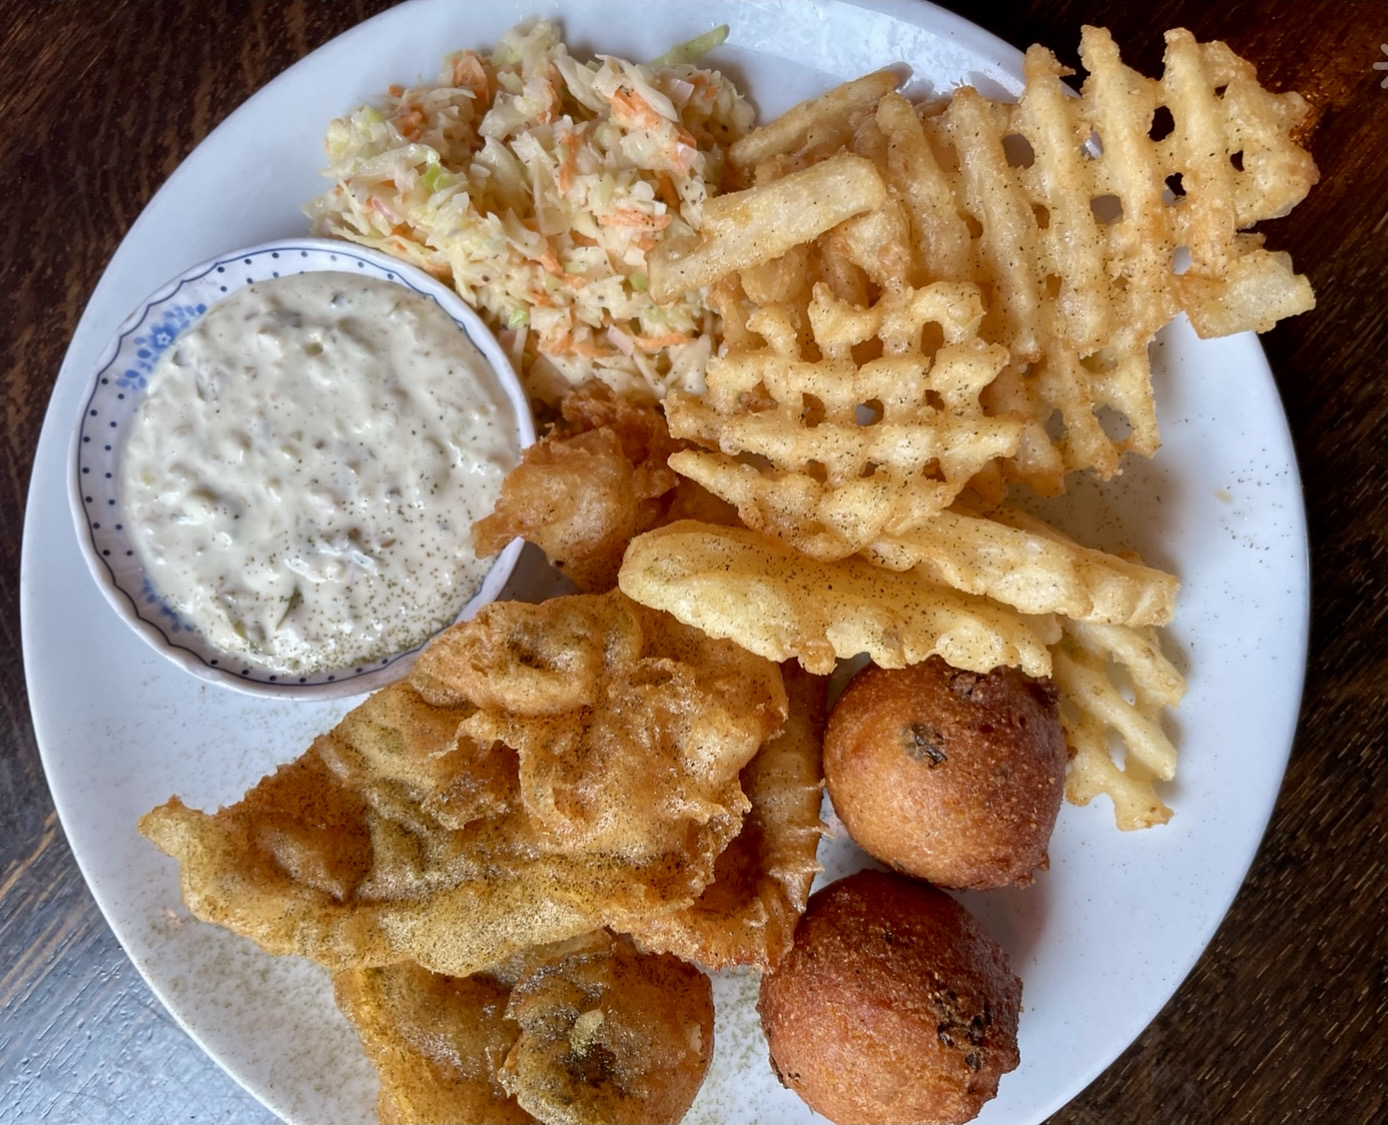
x=580 y=493
x=433 y=827
x=893 y=1005
x=610 y=1034
x=762 y=879
x=435 y=1041
x=951 y=776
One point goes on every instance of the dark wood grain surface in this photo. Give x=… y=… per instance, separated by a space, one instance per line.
x=1283 y=1018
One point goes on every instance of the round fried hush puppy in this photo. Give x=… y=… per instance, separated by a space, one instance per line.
x=952 y=776
x=893 y=1005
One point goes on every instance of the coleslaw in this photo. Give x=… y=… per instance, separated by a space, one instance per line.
x=536 y=184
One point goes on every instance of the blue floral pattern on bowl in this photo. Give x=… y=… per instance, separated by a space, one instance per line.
x=118 y=389
x=152 y=345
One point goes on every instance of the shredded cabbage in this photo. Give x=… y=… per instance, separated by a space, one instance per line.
x=536 y=184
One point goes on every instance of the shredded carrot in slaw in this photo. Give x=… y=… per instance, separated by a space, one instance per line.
x=537 y=183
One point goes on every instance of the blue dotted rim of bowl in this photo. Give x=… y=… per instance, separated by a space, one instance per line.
x=117 y=390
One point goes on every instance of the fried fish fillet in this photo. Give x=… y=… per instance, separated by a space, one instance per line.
x=610 y=1034
x=436 y=1043
x=589 y=690
x=594 y=480
x=432 y=827
x=747 y=915
x=584 y=1030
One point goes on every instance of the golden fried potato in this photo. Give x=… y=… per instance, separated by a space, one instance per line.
x=940 y=242
x=1115 y=683
x=608 y=1034
x=893 y=1005
x=1019 y=560
x=950 y=776
x=745 y=228
x=825 y=121
x=1067 y=212
x=436 y=1043
x=828 y=452
x=733 y=582
x=1078 y=237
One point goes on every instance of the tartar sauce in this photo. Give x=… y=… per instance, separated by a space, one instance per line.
x=303 y=475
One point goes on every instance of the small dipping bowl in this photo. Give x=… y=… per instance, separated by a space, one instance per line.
x=117 y=390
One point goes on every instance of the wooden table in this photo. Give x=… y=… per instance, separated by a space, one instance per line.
x=1282 y=1019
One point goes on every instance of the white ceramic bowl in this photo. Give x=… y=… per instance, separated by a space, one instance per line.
x=118 y=387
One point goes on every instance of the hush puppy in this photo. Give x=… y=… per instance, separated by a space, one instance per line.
x=893 y=1005
x=951 y=776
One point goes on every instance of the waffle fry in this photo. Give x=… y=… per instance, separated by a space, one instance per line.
x=1081 y=214
x=1070 y=214
x=1114 y=684
x=848 y=451
x=753 y=589
x=988 y=322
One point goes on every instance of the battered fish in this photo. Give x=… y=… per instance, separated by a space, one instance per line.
x=434 y=828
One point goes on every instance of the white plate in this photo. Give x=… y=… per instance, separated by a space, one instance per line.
x=1101 y=941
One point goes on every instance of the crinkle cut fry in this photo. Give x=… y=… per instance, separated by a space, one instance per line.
x=1019 y=560
x=756 y=590
x=1096 y=668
